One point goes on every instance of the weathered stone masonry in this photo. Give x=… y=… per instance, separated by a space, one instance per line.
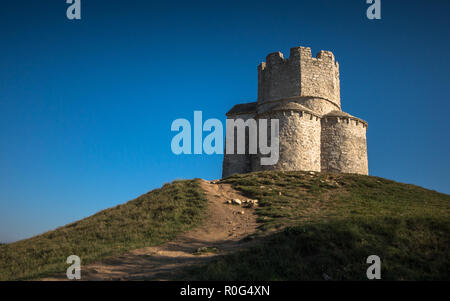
x=303 y=93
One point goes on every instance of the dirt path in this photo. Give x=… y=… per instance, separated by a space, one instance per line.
x=223 y=229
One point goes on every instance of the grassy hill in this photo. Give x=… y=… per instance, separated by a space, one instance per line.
x=151 y=219
x=313 y=226
x=320 y=225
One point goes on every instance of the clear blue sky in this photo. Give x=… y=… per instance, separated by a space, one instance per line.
x=86 y=106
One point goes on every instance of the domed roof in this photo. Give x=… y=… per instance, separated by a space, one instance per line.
x=342 y=114
x=337 y=113
x=292 y=106
x=242 y=108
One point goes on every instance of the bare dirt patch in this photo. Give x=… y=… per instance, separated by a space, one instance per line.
x=224 y=228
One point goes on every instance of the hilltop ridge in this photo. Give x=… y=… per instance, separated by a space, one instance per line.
x=308 y=224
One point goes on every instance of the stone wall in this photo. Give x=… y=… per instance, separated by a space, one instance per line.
x=235 y=163
x=320 y=106
x=344 y=145
x=300 y=75
x=278 y=78
x=320 y=75
x=299 y=141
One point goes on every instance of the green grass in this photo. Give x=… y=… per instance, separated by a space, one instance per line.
x=330 y=223
x=151 y=219
x=311 y=225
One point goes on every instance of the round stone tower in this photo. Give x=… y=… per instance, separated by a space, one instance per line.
x=343 y=143
x=299 y=136
x=310 y=81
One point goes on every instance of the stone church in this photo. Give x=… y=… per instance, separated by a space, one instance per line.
x=303 y=93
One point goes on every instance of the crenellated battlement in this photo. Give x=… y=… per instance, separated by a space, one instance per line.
x=344 y=118
x=296 y=55
x=347 y=121
x=300 y=75
x=275 y=58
